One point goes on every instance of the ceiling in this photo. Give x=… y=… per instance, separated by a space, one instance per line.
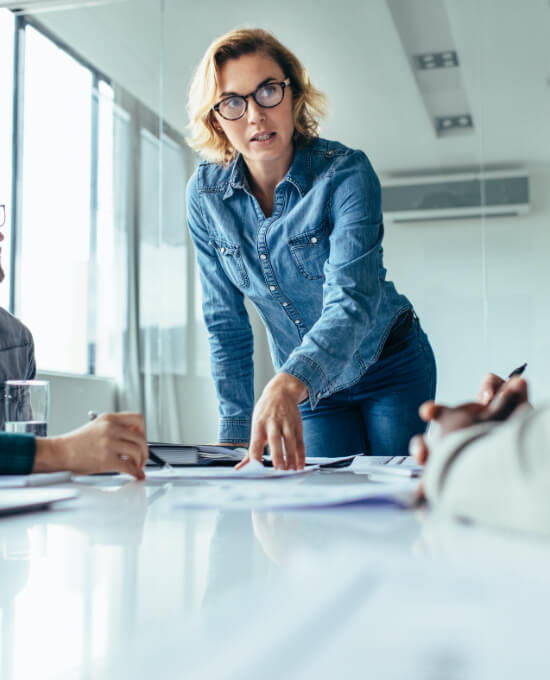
x=356 y=54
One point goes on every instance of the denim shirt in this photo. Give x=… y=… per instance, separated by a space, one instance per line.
x=313 y=270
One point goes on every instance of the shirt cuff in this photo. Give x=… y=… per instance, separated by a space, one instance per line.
x=311 y=374
x=234 y=430
x=17 y=452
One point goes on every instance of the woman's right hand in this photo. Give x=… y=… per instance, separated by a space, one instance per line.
x=277 y=421
x=113 y=442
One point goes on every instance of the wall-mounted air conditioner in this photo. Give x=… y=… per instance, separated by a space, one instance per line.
x=456 y=196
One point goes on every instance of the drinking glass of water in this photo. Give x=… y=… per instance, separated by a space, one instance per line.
x=27 y=404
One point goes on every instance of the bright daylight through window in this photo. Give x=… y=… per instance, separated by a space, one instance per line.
x=51 y=291
x=6 y=103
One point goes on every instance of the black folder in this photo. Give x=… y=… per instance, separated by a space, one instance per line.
x=181 y=455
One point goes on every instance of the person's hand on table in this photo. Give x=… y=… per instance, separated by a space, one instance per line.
x=111 y=442
x=277 y=421
x=498 y=400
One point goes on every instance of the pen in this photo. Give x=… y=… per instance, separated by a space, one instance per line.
x=517 y=371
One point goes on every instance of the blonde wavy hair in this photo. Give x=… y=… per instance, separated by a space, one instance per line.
x=309 y=103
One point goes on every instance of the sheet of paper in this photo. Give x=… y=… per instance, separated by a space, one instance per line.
x=376 y=465
x=256 y=496
x=320 y=460
x=253 y=470
x=37 y=479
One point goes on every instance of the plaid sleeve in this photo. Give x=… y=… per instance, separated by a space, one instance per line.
x=17 y=453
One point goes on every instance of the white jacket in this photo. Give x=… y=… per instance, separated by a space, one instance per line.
x=495 y=473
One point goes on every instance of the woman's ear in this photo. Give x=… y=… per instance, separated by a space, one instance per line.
x=214 y=123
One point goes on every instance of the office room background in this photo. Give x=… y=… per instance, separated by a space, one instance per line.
x=450 y=99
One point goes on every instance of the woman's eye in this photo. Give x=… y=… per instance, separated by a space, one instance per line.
x=233 y=103
x=267 y=91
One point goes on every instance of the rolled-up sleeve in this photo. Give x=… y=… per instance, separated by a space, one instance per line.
x=229 y=331
x=352 y=279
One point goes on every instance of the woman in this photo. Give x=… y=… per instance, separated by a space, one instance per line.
x=294 y=222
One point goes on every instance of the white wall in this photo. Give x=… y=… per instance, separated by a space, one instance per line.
x=72 y=396
x=439 y=266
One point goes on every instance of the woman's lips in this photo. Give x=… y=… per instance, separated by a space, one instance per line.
x=263 y=138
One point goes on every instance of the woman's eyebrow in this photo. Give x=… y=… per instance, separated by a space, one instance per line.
x=236 y=94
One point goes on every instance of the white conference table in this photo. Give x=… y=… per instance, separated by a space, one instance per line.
x=123 y=583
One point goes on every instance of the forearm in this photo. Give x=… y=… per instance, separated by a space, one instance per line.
x=330 y=345
x=232 y=368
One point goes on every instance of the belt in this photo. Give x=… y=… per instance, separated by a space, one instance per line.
x=397 y=338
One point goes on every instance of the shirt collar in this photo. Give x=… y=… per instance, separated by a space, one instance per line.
x=299 y=174
x=237 y=177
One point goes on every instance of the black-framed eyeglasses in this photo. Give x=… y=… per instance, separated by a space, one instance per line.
x=267 y=95
x=2 y=214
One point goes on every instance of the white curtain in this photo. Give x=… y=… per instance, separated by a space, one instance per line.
x=163 y=283
x=147 y=336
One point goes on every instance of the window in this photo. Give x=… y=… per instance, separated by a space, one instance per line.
x=88 y=162
x=54 y=226
x=6 y=104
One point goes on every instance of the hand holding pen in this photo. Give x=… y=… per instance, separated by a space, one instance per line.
x=497 y=400
x=492 y=384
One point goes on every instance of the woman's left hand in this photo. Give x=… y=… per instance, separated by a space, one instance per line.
x=277 y=421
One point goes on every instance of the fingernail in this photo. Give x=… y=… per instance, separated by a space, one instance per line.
x=486 y=396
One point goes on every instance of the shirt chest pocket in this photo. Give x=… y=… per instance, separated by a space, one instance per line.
x=231 y=261
x=310 y=251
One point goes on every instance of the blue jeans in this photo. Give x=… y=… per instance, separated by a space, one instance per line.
x=379 y=414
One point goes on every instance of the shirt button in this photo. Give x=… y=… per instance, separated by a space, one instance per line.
x=297 y=321
x=319 y=395
x=222 y=250
x=285 y=304
x=263 y=257
x=272 y=288
x=314 y=239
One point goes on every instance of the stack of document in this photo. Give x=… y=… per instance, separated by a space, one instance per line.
x=201 y=454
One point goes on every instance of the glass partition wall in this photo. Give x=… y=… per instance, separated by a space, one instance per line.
x=449 y=99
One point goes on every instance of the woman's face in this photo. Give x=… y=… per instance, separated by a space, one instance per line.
x=262 y=134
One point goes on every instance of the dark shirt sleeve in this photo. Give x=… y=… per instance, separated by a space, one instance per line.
x=31 y=364
x=17 y=453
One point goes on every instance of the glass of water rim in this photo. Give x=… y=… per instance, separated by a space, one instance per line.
x=26 y=406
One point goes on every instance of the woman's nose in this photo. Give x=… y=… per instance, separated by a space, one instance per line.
x=255 y=112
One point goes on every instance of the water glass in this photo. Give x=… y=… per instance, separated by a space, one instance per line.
x=27 y=405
